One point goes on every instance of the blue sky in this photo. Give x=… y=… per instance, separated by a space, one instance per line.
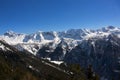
x=28 y=16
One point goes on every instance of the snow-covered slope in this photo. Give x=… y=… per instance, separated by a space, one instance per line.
x=4 y=48
x=71 y=38
x=100 y=47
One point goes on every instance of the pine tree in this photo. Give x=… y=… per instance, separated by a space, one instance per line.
x=91 y=75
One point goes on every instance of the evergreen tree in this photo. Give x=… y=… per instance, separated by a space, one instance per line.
x=91 y=75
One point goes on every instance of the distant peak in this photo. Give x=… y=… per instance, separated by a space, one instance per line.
x=39 y=31
x=10 y=32
x=110 y=27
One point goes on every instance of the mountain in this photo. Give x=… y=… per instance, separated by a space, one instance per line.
x=99 y=48
x=103 y=54
x=17 y=65
x=33 y=42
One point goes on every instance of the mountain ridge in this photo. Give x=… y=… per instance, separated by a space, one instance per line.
x=99 y=48
x=72 y=37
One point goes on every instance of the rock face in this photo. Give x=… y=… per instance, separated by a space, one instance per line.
x=100 y=48
x=102 y=54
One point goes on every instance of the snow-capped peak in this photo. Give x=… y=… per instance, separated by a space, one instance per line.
x=10 y=33
x=72 y=37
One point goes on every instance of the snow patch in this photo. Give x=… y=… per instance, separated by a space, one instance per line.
x=57 y=62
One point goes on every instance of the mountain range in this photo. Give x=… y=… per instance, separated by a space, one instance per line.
x=99 y=48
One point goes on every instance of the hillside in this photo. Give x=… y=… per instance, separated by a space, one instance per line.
x=16 y=65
